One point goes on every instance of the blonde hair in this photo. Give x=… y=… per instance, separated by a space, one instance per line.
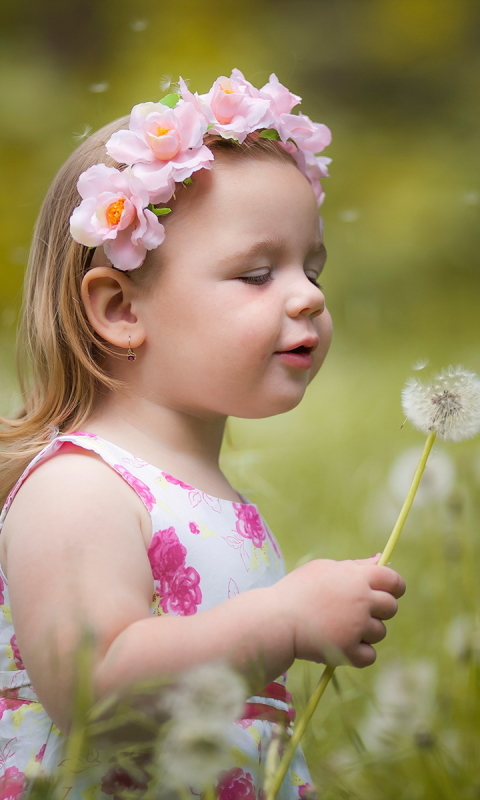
x=59 y=355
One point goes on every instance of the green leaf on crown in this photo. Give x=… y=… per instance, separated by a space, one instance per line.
x=170 y=100
x=187 y=181
x=269 y=133
x=160 y=212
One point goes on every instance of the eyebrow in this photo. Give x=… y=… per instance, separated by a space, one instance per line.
x=268 y=246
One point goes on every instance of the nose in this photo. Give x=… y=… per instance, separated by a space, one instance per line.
x=307 y=300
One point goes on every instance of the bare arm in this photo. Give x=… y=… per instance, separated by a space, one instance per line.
x=76 y=554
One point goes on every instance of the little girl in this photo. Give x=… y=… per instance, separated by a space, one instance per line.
x=144 y=331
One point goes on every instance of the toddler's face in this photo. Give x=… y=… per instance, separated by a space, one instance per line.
x=214 y=335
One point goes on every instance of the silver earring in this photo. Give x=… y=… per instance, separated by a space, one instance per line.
x=131 y=356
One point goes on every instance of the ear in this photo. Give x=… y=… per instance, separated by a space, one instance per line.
x=109 y=298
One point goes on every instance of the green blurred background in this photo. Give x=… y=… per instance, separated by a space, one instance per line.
x=397 y=81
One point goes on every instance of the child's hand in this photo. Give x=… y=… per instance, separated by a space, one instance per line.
x=336 y=607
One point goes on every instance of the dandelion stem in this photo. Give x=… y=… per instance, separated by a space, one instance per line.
x=299 y=731
x=408 y=500
x=302 y=723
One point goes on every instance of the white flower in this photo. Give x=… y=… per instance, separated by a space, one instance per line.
x=195 y=751
x=210 y=692
x=450 y=405
x=437 y=481
x=404 y=702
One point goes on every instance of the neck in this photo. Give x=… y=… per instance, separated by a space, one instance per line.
x=141 y=425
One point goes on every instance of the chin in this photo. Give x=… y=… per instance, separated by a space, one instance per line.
x=277 y=405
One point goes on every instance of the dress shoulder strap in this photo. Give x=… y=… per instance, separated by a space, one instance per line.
x=124 y=463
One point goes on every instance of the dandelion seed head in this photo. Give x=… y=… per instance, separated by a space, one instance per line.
x=194 y=752
x=450 y=405
x=208 y=691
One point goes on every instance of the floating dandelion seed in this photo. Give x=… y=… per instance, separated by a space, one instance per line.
x=97 y=88
x=420 y=364
x=195 y=751
x=87 y=129
x=138 y=25
x=449 y=406
x=165 y=83
x=349 y=215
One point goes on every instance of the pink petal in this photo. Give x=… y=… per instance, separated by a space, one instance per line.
x=157 y=180
x=81 y=224
x=127 y=147
x=123 y=253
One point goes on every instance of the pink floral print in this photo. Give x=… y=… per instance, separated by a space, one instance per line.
x=141 y=488
x=236 y=785
x=202 y=551
x=12 y=784
x=16 y=653
x=10 y=701
x=193 y=527
x=177 y=482
x=166 y=555
x=183 y=595
x=179 y=588
x=195 y=496
x=40 y=754
x=249 y=523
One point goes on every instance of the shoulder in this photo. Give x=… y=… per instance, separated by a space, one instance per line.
x=74 y=484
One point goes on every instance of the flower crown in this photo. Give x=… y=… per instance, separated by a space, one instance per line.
x=164 y=146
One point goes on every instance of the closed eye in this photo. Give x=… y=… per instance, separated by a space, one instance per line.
x=258 y=279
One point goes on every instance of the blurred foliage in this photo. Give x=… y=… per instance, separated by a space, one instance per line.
x=397 y=81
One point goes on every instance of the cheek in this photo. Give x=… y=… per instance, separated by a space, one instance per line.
x=324 y=328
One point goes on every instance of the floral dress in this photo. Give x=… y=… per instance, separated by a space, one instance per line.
x=203 y=551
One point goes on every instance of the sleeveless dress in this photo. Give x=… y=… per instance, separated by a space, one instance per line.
x=203 y=551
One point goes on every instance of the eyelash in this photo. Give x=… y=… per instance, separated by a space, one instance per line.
x=260 y=279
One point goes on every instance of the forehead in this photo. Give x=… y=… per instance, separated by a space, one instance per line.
x=241 y=201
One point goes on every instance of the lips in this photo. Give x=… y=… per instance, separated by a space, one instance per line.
x=307 y=346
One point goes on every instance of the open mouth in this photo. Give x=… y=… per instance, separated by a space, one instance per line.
x=301 y=349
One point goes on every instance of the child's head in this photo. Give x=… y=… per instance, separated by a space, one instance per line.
x=232 y=284
x=201 y=330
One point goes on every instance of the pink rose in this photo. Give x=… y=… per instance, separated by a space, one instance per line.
x=164 y=145
x=141 y=488
x=2 y=597
x=16 y=653
x=307 y=135
x=236 y=785
x=183 y=593
x=194 y=527
x=12 y=784
x=166 y=555
x=249 y=524
x=281 y=98
x=114 y=213
x=237 y=106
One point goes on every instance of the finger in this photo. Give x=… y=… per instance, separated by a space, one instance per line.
x=387 y=580
x=368 y=561
x=384 y=605
x=375 y=632
x=363 y=656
